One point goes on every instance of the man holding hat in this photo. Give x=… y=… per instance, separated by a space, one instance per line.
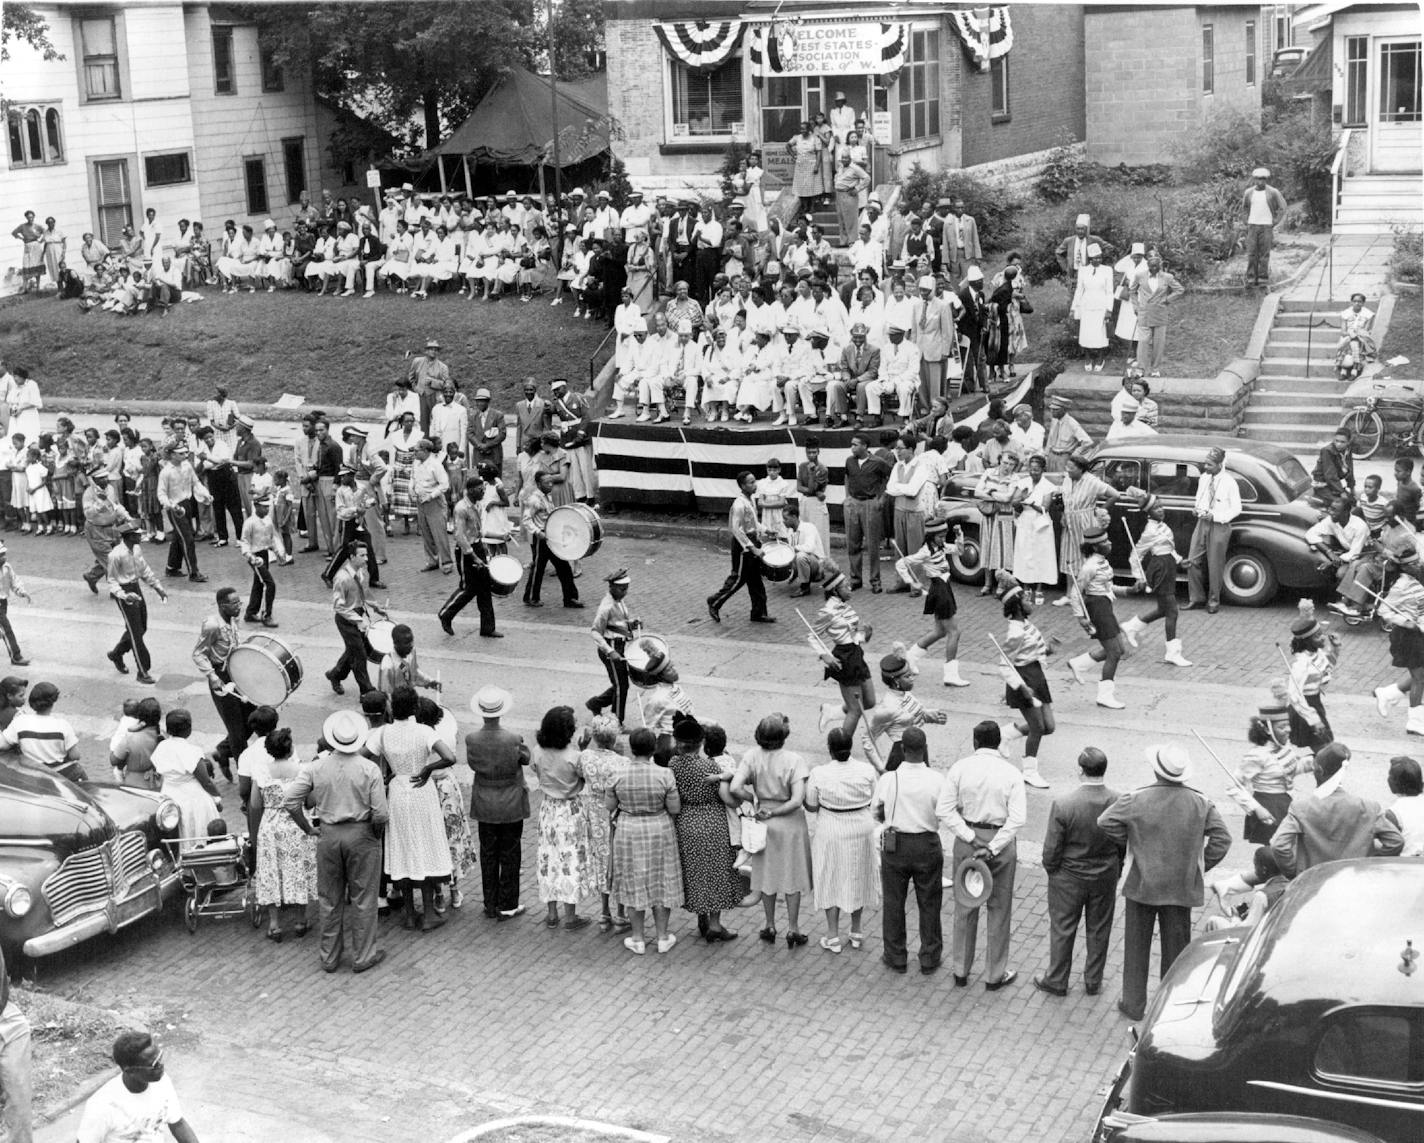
x=983 y=804
x=1218 y=503
x=260 y=545
x=1083 y=865
x=428 y=375
x=1333 y=824
x=349 y=799
x=1172 y=834
x=1262 y=206
x=487 y=430
x=104 y=520
x=499 y=801
x=179 y=492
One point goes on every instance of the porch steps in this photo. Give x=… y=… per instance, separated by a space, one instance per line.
x=1376 y=204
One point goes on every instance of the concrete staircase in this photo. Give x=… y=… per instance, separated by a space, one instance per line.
x=1296 y=403
x=1371 y=204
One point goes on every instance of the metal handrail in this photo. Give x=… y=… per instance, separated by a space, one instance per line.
x=593 y=367
x=1337 y=180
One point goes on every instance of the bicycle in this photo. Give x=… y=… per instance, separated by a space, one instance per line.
x=1366 y=426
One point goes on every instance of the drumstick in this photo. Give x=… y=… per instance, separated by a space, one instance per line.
x=814 y=633
x=1134 y=561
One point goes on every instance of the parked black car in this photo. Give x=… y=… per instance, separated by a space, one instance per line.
x=1235 y=1127
x=1318 y=1011
x=77 y=860
x=1267 y=550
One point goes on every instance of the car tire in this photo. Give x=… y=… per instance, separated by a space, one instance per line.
x=1248 y=579
x=968 y=567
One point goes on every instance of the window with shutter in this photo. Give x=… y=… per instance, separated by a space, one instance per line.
x=255 y=172
x=101 y=58
x=295 y=164
x=111 y=177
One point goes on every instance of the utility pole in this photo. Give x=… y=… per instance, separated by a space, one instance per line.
x=556 y=239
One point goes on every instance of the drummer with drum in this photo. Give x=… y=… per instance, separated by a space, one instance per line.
x=747 y=565
x=538 y=509
x=472 y=562
x=217 y=640
x=613 y=626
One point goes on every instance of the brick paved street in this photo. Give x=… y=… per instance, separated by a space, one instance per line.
x=738 y=1041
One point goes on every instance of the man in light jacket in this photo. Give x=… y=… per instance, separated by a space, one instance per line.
x=1173 y=834
x=1332 y=824
x=1151 y=294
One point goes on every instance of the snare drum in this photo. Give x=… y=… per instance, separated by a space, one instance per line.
x=574 y=531
x=379 y=636
x=777 y=559
x=641 y=648
x=505 y=572
x=265 y=670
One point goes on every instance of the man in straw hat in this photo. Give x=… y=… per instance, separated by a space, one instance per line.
x=983 y=804
x=1172 y=834
x=1263 y=206
x=1218 y=503
x=1064 y=435
x=499 y=801
x=349 y=798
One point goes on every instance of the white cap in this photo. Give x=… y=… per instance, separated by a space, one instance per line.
x=974 y=274
x=927 y=282
x=1083 y=221
x=1260 y=173
x=684 y=325
x=1138 y=248
x=270 y=224
x=1094 y=250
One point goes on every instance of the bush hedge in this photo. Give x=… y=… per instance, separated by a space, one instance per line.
x=995 y=209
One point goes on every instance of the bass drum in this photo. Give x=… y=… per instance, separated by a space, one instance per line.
x=639 y=650
x=379 y=636
x=505 y=572
x=777 y=559
x=265 y=670
x=574 y=532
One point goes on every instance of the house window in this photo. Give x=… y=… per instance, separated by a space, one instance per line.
x=1399 y=82
x=99 y=43
x=1357 y=57
x=1208 y=59
x=1283 y=32
x=167 y=170
x=272 y=77
x=255 y=176
x=1250 y=52
x=115 y=199
x=780 y=108
x=36 y=135
x=999 y=87
x=707 y=103
x=224 y=79
x=294 y=162
x=919 y=87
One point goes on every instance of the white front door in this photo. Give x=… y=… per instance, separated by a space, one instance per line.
x=1397 y=134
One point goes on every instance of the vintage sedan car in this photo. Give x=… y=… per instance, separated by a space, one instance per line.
x=1233 y=1127
x=1317 y=1011
x=1267 y=550
x=77 y=860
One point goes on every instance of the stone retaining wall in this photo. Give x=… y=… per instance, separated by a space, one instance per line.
x=1213 y=406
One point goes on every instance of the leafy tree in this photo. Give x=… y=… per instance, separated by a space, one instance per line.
x=21 y=22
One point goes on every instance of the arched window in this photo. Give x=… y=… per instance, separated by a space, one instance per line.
x=17 y=140
x=32 y=135
x=53 y=135
x=36 y=135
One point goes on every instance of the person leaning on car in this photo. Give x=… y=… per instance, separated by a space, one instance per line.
x=43 y=738
x=1332 y=824
x=1163 y=826
x=12 y=698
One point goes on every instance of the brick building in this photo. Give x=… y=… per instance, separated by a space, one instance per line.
x=947 y=86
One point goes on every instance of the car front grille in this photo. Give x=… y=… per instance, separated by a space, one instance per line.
x=87 y=882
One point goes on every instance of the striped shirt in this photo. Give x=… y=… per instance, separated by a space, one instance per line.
x=891 y=717
x=1096 y=576
x=41 y=738
x=837 y=622
x=1312 y=671
x=1406 y=599
x=925 y=564
x=1024 y=643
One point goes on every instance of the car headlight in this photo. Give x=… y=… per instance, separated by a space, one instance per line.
x=168 y=816
x=18 y=901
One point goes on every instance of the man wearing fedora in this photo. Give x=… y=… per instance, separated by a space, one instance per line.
x=487 y=431
x=349 y=798
x=427 y=375
x=907 y=801
x=499 y=801
x=1172 y=834
x=1332 y=823
x=984 y=806
x=1083 y=865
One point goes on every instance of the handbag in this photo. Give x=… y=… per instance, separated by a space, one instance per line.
x=890 y=836
x=753 y=833
x=1025 y=306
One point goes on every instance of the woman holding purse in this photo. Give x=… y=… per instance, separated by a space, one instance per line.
x=998 y=494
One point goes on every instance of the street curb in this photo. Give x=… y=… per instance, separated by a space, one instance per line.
x=612 y=1131
x=80 y=1094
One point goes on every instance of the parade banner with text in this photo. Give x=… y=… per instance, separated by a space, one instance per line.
x=796 y=48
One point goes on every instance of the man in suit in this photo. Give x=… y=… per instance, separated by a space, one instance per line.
x=897 y=229
x=961 y=242
x=1173 y=834
x=427 y=376
x=1072 y=252
x=860 y=365
x=681 y=242
x=487 y=431
x=531 y=416
x=973 y=314
x=1082 y=864
x=1333 y=824
x=933 y=319
x=1152 y=293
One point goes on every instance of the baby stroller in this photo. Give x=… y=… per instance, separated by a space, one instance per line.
x=215 y=873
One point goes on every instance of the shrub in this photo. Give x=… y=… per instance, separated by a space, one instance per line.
x=995 y=209
x=1300 y=154
x=1404 y=263
x=1147 y=175
x=1227 y=145
x=616 y=184
x=1063 y=174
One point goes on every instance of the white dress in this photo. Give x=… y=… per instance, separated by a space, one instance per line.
x=1092 y=302
x=1035 y=553
x=754 y=212
x=176 y=761
x=416 y=845
x=1126 y=327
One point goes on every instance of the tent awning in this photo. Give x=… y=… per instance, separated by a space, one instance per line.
x=514 y=124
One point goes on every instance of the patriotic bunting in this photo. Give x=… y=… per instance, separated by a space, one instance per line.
x=985 y=32
x=700 y=44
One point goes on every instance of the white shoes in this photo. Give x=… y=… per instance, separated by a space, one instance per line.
x=913 y=655
x=369 y=294
x=1031 y=776
x=1080 y=666
x=951 y=675
x=1386 y=697
x=1174 y=655
x=644 y=417
x=1132 y=627
x=1107 y=695
x=781 y=420
x=1415 y=724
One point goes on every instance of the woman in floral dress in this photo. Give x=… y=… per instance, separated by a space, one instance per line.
x=567 y=871
x=599 y=764
x=401 y=444
x=416 y=850
x=286 y=844
x=998 y=492
x=843 y=855
x=463 y=852
x=709 y=883
x=647 y=873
